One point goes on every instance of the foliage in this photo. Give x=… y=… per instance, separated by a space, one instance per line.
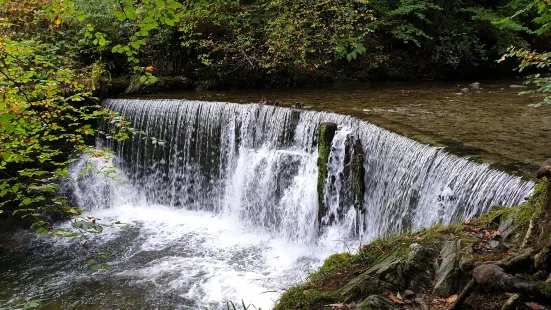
x=231 y=306
x=285 y=42
x=282 y=42
x=537 y=60
x=531 y=59
x=47 y=117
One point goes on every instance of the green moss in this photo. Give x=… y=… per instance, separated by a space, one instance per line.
x=399 y=246
x=335 y=261
x=539 y=191
x=326 y=133
x=545 y=289
x=299 y=297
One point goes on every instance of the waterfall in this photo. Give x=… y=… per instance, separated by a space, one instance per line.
x=257 y=164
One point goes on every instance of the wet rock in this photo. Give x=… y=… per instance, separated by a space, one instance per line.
x=444 y=273
x=493 y=244
x=488 y=275
x=385 y=276
x=376 y=302
x=464 y=91
x=408 y=294
x=545 y=170
x=394 y=274
x=508 y=227
x=475 y=85
x=418 y=267
x=326 y=133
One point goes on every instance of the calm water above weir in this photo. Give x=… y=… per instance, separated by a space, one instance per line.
x=227 y=207
x=493 y=124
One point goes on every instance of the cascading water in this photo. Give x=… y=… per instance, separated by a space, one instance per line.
x=258 y=164
x=227 y=204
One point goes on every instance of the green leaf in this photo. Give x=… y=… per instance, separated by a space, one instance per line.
x=129 y=12
x=120 y=16
x=175 y=5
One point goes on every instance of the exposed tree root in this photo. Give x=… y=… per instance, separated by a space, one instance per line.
x=497 y=276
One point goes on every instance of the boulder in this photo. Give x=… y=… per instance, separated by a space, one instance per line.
x=545 y=170
x=445 y=272
x=508 y=228
x=385 y=276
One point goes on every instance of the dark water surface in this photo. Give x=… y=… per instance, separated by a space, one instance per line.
x=493 y=124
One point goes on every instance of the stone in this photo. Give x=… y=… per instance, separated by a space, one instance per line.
x=465 y=90
x=475 y=85
x=507 y=226
x=545 y=170
x=408 y=294
x=444 y=272
x=376 y=302
x=385 y=276
x=419 y=268
x=326 y=133
x=488 y=275
x=493 y=244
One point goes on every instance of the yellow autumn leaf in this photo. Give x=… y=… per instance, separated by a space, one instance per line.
x=57 y=20
x=71 y=210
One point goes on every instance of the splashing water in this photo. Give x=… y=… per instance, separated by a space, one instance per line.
x=257 y=164
x=227 y=206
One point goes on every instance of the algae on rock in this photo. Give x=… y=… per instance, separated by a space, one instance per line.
x=326 y=133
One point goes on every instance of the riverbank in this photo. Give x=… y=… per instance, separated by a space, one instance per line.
x=478 y=264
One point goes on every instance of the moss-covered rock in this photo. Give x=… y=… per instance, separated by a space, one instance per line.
x=433 y=263
x=385 y=276
x=326 y=133
x=302 y=298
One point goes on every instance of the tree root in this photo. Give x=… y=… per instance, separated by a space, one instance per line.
x=464 y=294
x=494 y=276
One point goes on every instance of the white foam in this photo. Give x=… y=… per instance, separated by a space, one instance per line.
x=210 y=258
